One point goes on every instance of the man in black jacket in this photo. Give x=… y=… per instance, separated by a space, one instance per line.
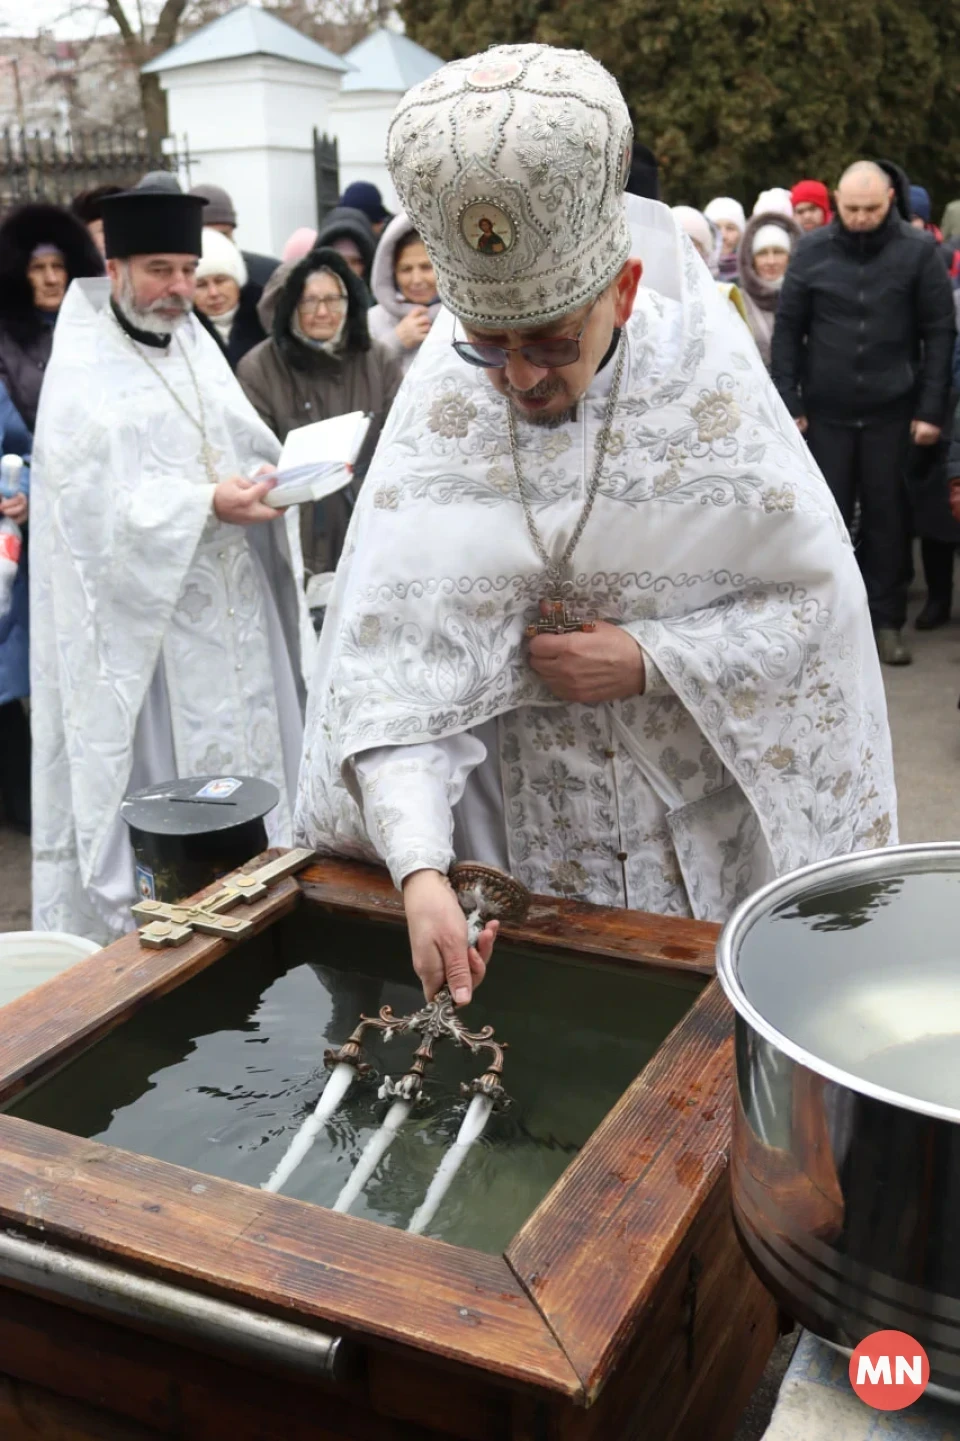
x=861 y=355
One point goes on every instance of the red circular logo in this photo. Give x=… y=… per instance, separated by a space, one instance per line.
x=889 y=1370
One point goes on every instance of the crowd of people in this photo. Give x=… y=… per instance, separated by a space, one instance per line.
x=169 y=613
x=855 y=311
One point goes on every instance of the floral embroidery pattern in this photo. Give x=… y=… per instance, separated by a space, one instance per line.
x=770 y=688
x=717 y=414
x=451 y=414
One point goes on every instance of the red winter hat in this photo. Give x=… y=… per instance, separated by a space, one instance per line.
x=812 y=192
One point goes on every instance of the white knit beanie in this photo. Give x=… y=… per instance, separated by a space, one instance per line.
x=221 y=257
x=695 y=224
x=725 y=210
x=771 y=237
x=775 y=202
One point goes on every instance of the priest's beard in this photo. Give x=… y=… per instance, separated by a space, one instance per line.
x=148 y=317
x=540 y=391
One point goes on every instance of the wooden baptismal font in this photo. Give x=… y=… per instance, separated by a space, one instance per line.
x=151 y=1286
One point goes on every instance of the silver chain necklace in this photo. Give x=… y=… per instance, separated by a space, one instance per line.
x=554 y=615
x=207 y=453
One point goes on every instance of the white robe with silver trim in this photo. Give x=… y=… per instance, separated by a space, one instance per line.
x=761 y=741
x=163 y=642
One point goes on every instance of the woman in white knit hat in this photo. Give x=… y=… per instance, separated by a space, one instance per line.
x=225 y=298
x=727 y=215
x=765 y=251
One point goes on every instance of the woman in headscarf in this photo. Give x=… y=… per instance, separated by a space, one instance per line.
x=765 y=250
x=727 y=214
x=226 y=297
x=42 y=248
x=405 y=289
x=318 y=362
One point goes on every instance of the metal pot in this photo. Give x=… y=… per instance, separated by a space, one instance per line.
x=845 y=977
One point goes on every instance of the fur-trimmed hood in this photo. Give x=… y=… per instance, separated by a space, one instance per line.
x=21 y=232
x=761 y=292
x=281 y=297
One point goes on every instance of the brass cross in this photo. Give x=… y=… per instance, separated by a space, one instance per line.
x=171 y=925
x=556 y=619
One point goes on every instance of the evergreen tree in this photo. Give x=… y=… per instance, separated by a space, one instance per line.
x=736 y=95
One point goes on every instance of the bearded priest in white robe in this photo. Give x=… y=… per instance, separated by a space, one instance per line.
x=594 y=437
x=165 y=605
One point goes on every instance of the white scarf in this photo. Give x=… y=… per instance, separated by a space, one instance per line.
x=223 y=324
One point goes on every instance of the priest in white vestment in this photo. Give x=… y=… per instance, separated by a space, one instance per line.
x=165 y=604
x=593 y=436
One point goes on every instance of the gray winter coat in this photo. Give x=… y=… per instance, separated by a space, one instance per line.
x=291 y=384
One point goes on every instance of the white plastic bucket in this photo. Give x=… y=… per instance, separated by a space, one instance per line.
x=28 y=958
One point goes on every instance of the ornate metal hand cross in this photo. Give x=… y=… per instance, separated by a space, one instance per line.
x=171 y=925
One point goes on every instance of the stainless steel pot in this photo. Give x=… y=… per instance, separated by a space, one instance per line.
x=845 y=977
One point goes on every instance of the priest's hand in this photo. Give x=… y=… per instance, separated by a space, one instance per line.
x=589 y=667
x=438 y=937
x=240 y=502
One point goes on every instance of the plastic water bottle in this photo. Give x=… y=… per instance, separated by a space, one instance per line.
x=11 y=476
x=11 y=539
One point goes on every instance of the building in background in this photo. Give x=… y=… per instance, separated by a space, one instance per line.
x=384 y=66
x=274 y=117
x=66 y=85
x=248 y=92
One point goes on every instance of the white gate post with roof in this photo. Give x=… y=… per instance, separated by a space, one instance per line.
x=246 y=91
x=382 y=69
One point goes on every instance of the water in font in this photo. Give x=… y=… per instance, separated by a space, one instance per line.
x=867 y=978
x=219 y=1074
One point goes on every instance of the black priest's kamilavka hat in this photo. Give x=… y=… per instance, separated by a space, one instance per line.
x=152 y=222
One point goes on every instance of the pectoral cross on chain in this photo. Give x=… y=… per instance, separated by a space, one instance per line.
x=556 y=618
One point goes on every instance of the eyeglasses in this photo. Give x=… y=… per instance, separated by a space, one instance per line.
x=543 y=354
x=324 y=302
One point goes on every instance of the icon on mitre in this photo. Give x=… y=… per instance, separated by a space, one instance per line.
x=487 y=229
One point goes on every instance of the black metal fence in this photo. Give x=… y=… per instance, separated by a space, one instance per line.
x=40 y=165
x=326 y=166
